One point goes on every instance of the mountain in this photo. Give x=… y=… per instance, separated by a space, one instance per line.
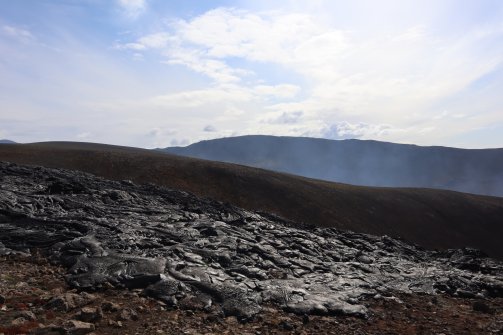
x=432 y=218
x=5 y=141
x=357 y=162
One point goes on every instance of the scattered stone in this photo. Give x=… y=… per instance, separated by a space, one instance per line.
x=18 y=321
x=108 y=306
x=286 y=325
x=27 y=315
x=90 y=314
x=75 y=327
x=128 y=314
x=232 y=320
x=69 y=301
x=213 y=318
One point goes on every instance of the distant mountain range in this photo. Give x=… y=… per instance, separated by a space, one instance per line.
x=361 y=162
x=5 y=141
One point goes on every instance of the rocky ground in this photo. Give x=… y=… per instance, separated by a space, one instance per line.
x=144 y=259
x=36 y=298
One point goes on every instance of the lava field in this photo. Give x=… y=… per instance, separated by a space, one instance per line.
x=191 y=252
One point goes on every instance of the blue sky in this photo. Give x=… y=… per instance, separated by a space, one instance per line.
x=153 y=73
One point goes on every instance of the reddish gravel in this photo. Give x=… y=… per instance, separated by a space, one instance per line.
x=28 y=283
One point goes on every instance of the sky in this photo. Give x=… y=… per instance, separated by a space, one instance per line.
x=153 y=73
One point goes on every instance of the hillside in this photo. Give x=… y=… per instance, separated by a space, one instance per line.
x=431 y=218
x=5 y=141
x=357 y=162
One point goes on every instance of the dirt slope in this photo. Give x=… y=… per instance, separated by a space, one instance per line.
x=431 y=218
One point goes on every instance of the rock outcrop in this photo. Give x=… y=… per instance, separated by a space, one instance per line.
x=200 y=254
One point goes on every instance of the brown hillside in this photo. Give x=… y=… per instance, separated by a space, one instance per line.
x=432 y=218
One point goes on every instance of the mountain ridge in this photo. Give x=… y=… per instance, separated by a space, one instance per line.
x=361 y=162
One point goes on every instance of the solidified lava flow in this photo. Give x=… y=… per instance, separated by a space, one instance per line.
x=187 y=251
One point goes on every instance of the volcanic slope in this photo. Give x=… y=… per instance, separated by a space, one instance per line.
x=431 y=218
x=361 y=162
x=194 y=253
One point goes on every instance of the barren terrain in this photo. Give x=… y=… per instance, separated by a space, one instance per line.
x=81 y=254
x=28 y=283
x=431 y=218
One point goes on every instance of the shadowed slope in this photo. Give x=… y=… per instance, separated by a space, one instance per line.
x=432 y=218
x=358 y=162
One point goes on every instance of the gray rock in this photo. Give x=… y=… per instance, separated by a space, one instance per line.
x=128 y=314
x=18 y=321
x=28 y=315
x=69 y=301
x=75 y=327
x=90 y=314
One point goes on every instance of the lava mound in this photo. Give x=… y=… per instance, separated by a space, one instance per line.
x=196 y=253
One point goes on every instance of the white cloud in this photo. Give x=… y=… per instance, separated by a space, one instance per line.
x=226 y=94
x=131 y=46
x=160 y=136
x=156 y=40
x=17 y=32
x=204 y=97
x=278 y=91
x=179 y=142
x=346 y=129
x=340 y=74
x=217 y=70
x=283 y=118
x=326 y=71
x=84 y=136
x=133 y=8
x=138 y=56
x=226 y=32
x=203 y=43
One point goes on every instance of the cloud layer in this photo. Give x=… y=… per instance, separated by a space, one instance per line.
x=321 y=69
x=390 y=81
